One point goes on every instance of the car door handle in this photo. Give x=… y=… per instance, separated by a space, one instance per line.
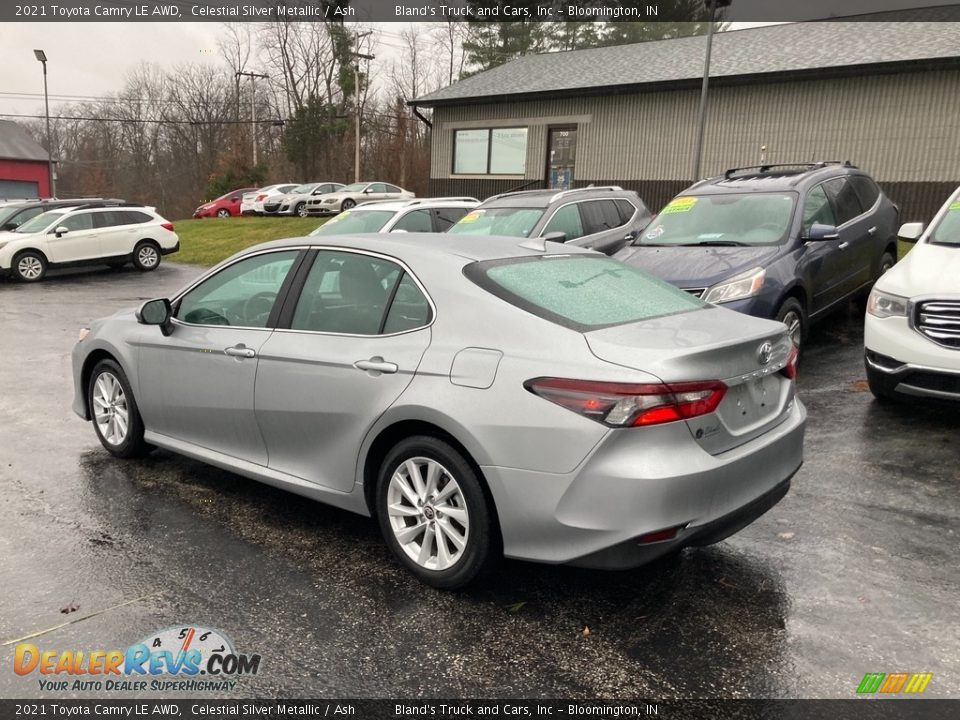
x=240 y=351
x=843 y=246
x=376 y=364
x=872 y=231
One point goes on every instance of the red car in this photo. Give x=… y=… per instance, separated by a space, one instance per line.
x=224 y=206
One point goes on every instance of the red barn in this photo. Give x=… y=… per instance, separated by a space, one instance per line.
x=23 y=164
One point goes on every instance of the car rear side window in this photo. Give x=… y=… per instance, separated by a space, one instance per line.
x=845 y=200
x=626 y=210
x=415 y=221
x=409 y=309
x=599 y=216
x=445 y=217
x=867 y=190
x=580 y=292
x=113 y=218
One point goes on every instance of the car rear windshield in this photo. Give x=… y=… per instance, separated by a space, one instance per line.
x=947 y=231
x=506 y=221
x=351 y=222
x=728 y=219
x=580 y=292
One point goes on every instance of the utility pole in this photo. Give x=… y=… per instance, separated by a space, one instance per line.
x=712 y=6
x=253 y=106
x=357 y=55
x=51 y=174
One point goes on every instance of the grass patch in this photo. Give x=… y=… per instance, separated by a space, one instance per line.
x=209 y=240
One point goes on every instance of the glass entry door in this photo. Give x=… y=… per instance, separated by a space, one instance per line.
x=561 y=157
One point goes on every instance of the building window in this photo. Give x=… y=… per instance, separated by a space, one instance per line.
x=493 y=151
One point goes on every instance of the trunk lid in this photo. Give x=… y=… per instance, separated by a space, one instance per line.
x=743 y=352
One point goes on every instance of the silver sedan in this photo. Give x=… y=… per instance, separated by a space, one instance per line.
x=480 y=399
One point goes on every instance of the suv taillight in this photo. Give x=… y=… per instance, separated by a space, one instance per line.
x=629 y=404
x=167 y=226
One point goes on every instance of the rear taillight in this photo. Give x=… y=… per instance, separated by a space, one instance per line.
x=790 y=369
x=628 y=404
x=260 y=197
x=167 y=226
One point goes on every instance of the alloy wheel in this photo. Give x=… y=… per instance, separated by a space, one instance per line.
x=428 y=513
x=110 y=411
x=148 y=256
x=30 y=267
x=794 y=326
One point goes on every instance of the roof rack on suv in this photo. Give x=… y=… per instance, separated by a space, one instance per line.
x=107 y=203
x=766 y=168
x=419 y=201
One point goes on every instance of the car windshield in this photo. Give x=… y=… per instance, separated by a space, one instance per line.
x=581 y=291
x=728 y=219
x=355 y=187
x=507 y=221
x=303 y=189
x=40 y=223
x=947 y=231
x=351 y=222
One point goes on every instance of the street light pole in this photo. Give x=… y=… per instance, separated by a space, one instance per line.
x=712 y=6
x=253 y=106
x=356 y=88
x=51 y=177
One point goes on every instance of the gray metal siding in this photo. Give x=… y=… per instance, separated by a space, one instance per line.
x=901 y=128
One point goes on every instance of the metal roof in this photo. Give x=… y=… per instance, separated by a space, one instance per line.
x=16 y=143
x=788 y=48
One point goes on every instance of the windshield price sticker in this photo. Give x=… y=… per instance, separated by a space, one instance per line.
x=679 y=205
x=471 y=217
x=955 y=205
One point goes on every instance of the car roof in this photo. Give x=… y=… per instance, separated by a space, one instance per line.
x=543 y=198
x=429 y=247
x=395 y=205
x=774 y=178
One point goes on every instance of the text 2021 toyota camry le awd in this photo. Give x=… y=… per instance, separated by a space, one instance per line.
x=478 y=398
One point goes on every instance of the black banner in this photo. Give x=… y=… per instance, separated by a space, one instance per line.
x=860 y=709
x=468 y=10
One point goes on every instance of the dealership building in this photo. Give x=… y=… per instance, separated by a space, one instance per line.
x=24 y=164
x=883 y=95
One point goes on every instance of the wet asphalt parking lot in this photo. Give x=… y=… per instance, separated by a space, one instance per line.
x=854 y=571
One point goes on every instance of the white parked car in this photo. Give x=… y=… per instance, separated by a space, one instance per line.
x=421 y=215
x=355 y=194
x=252 y=202
x=87 y=234
x=912 y=327
x=295 y=201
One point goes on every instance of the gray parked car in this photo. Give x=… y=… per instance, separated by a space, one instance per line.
x=354 y=371
x=601 y=218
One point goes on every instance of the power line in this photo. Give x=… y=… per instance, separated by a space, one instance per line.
x=148 y=120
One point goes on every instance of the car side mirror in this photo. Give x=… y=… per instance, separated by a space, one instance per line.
x=821 y=231
x=10 y=226
x=910 y=232
x=367 y=191
x=555 y=236
x=61 y=231
x=156 y=312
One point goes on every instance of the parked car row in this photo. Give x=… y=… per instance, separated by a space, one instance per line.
x=318 y=198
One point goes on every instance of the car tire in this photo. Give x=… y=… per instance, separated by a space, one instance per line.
x=413 y=516
x=223 y=213
x=300 y=210
x=347 y=204
x=29 y=266
x=118 y=424
x=792 y=314
x=887 y=261
x=146 y=256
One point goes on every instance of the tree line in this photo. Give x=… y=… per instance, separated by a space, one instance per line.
x=174 y=137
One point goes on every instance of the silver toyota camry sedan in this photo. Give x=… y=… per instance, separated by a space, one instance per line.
x=479 y=399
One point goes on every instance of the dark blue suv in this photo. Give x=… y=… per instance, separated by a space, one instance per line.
x=787 y=242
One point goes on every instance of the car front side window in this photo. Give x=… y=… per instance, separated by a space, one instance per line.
x=77 y=222
x=241 y=295
x=566 y=220
x=817 y=209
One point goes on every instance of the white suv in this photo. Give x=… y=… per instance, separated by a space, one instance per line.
x=421 y=215
x=87 y=234
x=912 y=327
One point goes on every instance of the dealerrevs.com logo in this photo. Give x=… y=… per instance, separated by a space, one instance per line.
x=187 y=658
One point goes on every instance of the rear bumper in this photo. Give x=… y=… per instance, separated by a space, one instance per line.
x=170 y=250
x=631 y=486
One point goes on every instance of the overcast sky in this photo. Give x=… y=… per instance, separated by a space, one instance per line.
x=91 y=59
